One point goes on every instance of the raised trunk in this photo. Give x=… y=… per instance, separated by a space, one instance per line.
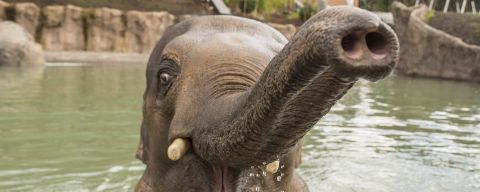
x=300 y=85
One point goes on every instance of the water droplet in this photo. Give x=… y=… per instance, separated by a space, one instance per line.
x=279 y=178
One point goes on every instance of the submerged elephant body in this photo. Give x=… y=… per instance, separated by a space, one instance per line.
x=240 y=96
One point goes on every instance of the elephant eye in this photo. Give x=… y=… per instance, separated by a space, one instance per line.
x=165 y=78
x=166 y=75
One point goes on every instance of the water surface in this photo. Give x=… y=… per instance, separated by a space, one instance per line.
x=75 y=128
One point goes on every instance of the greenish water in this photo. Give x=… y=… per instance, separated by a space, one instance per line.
x=76 y=128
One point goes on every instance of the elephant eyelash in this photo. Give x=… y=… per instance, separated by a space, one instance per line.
x=171 y=68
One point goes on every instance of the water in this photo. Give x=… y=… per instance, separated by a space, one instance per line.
x=76 y=128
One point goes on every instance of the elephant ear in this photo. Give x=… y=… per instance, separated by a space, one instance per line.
x=298 y=154
x=140 y=154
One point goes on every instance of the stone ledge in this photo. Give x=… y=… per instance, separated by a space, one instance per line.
x=95 y=57
x=430 y=52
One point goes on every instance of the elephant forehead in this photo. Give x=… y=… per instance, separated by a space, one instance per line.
x=222 y=63
x=231 y=48
x=222 y=53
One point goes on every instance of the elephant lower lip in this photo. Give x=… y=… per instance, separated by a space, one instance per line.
x=222 y=176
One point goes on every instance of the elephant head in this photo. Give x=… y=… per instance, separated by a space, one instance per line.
x=227 y=95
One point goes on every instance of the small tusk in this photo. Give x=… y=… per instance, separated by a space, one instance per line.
x=273 y=167
x=178 y=148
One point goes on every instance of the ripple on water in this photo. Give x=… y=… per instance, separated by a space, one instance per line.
x=367 y=144
x=76 y=129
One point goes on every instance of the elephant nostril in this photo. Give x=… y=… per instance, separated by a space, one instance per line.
x=377 y=44
x=351 y=46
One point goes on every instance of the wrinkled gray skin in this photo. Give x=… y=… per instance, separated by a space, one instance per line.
x=243 y=95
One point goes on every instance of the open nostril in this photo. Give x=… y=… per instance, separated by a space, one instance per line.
x=348 y=42
x=377 y=44
x=351 y=46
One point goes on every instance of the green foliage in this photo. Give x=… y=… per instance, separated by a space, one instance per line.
x=247 y=6
x=270 y=6
x=429 y=16
x=293 y=15
x=307 y=11
x=375 y=5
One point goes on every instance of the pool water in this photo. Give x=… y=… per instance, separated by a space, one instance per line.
x=72 y=127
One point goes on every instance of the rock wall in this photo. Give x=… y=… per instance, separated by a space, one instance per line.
x=430 y=52
x=144 y=29
x=71 y=28
x=3 y=6
x=27 y=15
x=62 y=28
x=106 y=30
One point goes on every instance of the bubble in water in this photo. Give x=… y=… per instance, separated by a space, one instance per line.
x=281 y=174
x=264 y=173
x=279 y=178
x=257 y=188
x=251 y=174
x=258 y=175
x=264 y=163
x=282 y=166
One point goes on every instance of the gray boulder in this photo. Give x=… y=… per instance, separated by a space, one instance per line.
x=17 y=46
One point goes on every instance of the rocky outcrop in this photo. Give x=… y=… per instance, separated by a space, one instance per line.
x=386 y=17
x=95 y=57
x=106 y=29
x=17 y=46
x=62 y=28
x=27 y=15
x=430 y=52
x=144 y=29
x=3 y=7
x=288 y=30
x=71 y=28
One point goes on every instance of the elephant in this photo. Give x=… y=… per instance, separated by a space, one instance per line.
x=229 y=99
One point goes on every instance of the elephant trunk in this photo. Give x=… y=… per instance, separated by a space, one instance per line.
x=325 y=57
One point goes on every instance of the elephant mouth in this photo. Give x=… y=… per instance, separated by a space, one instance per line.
x=222 y=178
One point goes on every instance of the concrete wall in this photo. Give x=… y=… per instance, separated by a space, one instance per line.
x=3 y=6
x=430 y=52
x=71 y=28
